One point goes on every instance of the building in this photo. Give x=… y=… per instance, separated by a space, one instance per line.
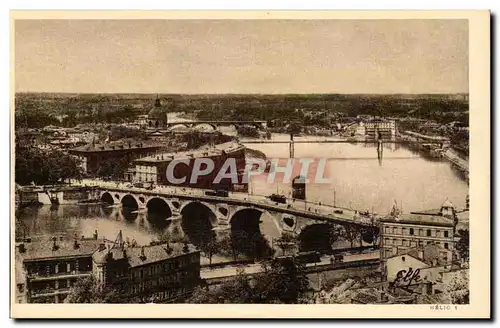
x=417 y=265
x=156 y=273
x=47 y=268
x=299 y=187
x=399 y=232
x=380 y=128
x=92 y=156
x=154 y=168
x=158 y=116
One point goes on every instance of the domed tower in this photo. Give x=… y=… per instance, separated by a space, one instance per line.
x=157 y=117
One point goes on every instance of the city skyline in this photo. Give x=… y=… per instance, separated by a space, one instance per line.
x=242 y=57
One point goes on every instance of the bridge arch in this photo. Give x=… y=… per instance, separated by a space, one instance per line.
x=197 y=222
x=130 y=206
x=158 y=212
x=250 y=230
x=177 y=126
x=107 y=198
x=201 y=125
x=316 y=237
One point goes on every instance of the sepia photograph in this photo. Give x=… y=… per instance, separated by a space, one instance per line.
x=211 y=159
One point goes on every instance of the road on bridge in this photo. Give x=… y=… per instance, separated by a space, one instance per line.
x=325 y=211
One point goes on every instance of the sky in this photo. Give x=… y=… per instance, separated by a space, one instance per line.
x=241 y=56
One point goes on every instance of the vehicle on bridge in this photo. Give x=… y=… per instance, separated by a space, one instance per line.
x=278 y=198
x=217 y=193
x=145 y=185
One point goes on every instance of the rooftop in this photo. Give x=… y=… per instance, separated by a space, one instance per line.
x=115 y=145
x=428 y=254
x=420 y=219
x=205 y=151
x=137 y=256
x=43 y=249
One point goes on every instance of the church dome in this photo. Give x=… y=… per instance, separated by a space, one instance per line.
x=158 y=114
x=160 y=110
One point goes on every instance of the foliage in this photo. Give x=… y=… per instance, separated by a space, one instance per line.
x=458 y=287
x=123 y=132
x=350 y=233
x=44 y=166
x=114 y=169
x=282 y=282
x=89 y=290
x=463 y=244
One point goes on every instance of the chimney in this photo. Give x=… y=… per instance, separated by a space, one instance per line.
x=168 y=249
x=95 y=235
x=185 y=249
x=22 y=248
x=382 y=297
x=54 y=245
x=426 y=288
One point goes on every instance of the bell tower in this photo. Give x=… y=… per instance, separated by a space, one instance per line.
x=157 y=101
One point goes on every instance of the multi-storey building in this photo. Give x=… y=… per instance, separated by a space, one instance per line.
x=401 y=232
x=154 y=168
x=380 y=128
x=92 y=156
x=156 y=273
x=47 y=268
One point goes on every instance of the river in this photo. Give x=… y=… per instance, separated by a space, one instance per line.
x=358 y=179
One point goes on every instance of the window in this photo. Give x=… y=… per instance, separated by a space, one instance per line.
x=387 y=241
x=405 y=243
x=403 y=231
x=429 y=232
x=403 y=258
x=411 y=231
x=421 y=232
x=446 y=234
x=446 y=245
x=395 y=242
x=420 y=243
x=394 y=230
x=438 y=233
x=387 y=230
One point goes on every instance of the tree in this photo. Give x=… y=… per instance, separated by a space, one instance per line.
x=458 y=287
x=282 y=281
x=210 y=248
x=350 y=233
x=89 y=290
x=227 y=247
x=463 y=244
x=238 y=290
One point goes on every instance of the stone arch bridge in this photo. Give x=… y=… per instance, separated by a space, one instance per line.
x=216 y=124
x=224 y=210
